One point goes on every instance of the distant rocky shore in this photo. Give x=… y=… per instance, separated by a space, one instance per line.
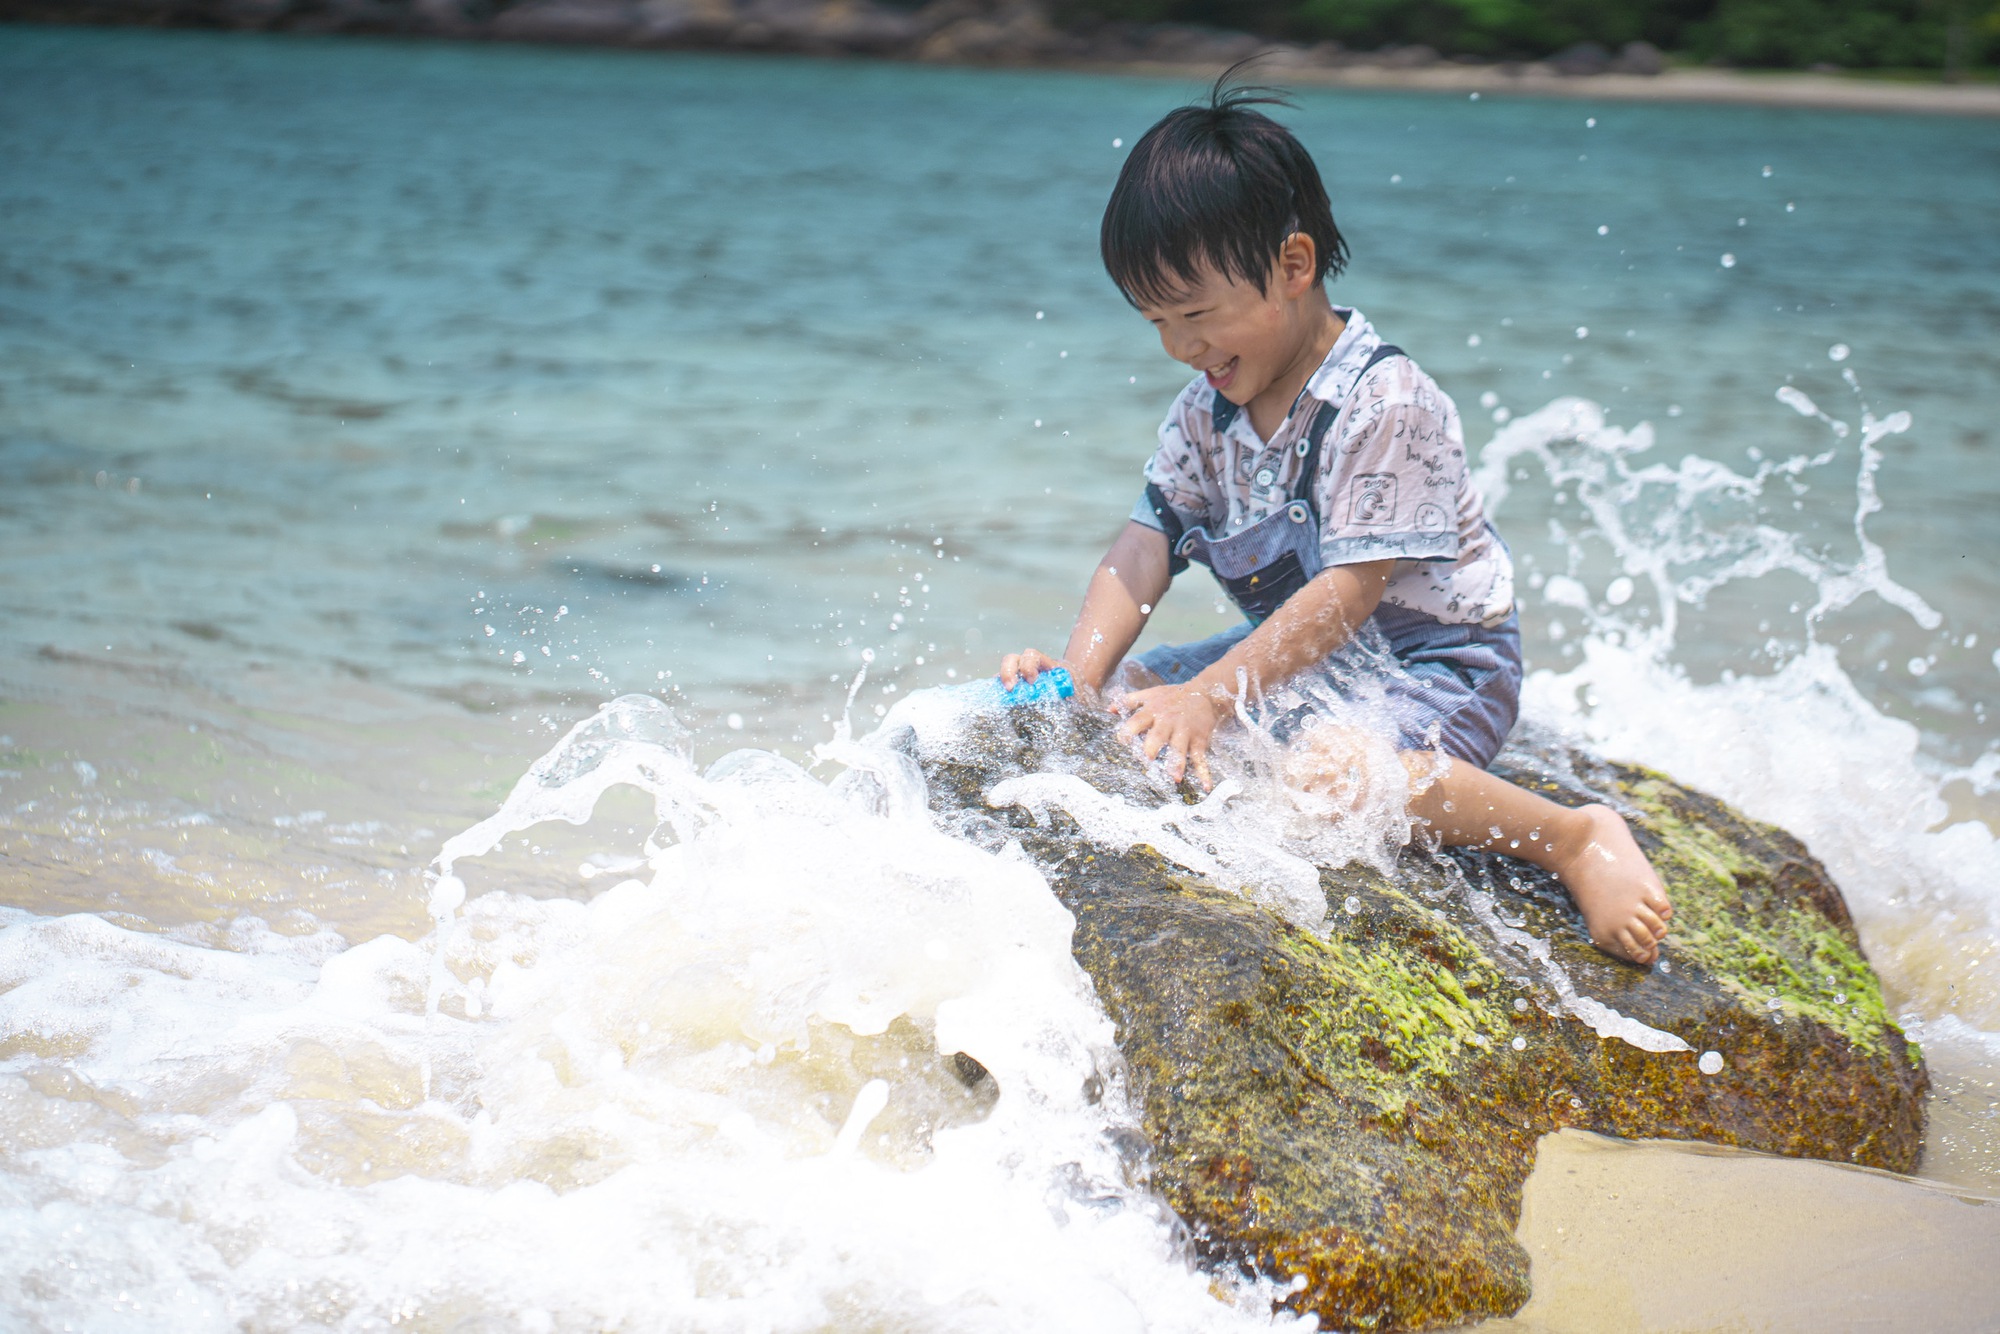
x=999 y=32
x=1009 y=33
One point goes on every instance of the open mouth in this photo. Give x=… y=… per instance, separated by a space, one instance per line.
x=1220 y=376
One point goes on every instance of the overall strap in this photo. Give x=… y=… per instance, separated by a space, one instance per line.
x=1322 y=427
x=1170 y=524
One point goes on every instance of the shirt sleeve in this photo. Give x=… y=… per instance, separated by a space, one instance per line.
x=1389 y=483
x=1174 y=474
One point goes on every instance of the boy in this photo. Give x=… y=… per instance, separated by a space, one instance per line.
x=1320 y=474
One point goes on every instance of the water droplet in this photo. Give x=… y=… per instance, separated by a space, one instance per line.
x=1396 y=179
x=1918 y=666
x=1710 y=1063
x=446 y=895
x=735 y=721
x=1521 y=1003
x=1729 y=261
x=1576 y=1102
x=1838 y=352
x=1582 y=331
x=1520 y=1044
x=1120 y=143
x=1767 y=171
x=1472 y=340
x=1353 y=905
x=1619 y=591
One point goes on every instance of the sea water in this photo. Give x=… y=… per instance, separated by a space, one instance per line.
x=373 y=413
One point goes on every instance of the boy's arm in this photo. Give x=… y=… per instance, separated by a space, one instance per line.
x=1312 y=623
x=1128 y=584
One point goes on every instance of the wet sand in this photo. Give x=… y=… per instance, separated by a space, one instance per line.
x=1661 y=1237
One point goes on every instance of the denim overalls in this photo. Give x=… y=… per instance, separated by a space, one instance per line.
x=1454 y=688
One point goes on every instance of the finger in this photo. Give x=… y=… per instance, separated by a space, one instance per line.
x=1656 y=898
x=1134 y=700
x=1010 y=670
x=1201 y=773
x=1648 y=923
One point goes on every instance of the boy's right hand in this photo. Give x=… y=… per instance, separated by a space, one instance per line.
x=1026 y=666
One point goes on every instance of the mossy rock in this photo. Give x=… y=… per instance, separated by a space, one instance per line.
x=1346 y=1107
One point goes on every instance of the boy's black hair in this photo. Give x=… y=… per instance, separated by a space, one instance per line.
x=1214 y=184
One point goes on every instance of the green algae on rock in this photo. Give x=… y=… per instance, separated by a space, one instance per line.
x=1353 y=1106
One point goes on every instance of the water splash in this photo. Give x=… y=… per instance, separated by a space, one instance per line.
x=1799 y=745
x=1692 y=528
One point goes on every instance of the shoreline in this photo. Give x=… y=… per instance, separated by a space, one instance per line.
x=979 y=34
x=1711 y=87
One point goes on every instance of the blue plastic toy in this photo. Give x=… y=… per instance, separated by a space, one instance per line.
x=1047 y=688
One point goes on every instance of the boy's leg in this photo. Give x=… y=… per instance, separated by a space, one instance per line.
x=1588 y=848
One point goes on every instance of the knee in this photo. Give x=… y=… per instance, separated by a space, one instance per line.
x=1131 y=674
x=1425 y=768
x=1338 y=762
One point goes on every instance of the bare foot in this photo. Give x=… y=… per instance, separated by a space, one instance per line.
x=1623 y=901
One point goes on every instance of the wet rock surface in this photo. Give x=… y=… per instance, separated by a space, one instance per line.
x=1354 y=1106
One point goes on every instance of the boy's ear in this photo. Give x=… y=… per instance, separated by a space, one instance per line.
x=1298 y=264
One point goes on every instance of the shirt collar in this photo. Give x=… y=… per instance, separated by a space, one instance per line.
x=1328 y=384
x=1350 y=351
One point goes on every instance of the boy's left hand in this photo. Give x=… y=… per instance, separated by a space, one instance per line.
x=1178 y=718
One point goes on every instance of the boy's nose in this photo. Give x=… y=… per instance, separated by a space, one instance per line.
x=1187 y=349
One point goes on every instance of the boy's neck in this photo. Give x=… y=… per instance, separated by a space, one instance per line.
x=1319 y=328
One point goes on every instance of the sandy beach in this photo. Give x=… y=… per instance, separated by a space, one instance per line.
x=1771 y=88
x=1685 y=1237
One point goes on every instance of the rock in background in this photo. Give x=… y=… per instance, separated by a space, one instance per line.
x=1354 y=1107
x=987 y=32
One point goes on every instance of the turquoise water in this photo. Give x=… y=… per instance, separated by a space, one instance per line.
x=396 y=325
x=336 y=374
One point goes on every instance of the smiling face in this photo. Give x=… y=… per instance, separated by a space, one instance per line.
x=1257 y=346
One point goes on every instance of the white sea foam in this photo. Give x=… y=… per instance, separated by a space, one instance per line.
x=716 y=1097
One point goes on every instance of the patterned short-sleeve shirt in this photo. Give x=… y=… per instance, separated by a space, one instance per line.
x=1392 y=482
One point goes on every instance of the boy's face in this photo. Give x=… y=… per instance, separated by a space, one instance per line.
x=1242 y=337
